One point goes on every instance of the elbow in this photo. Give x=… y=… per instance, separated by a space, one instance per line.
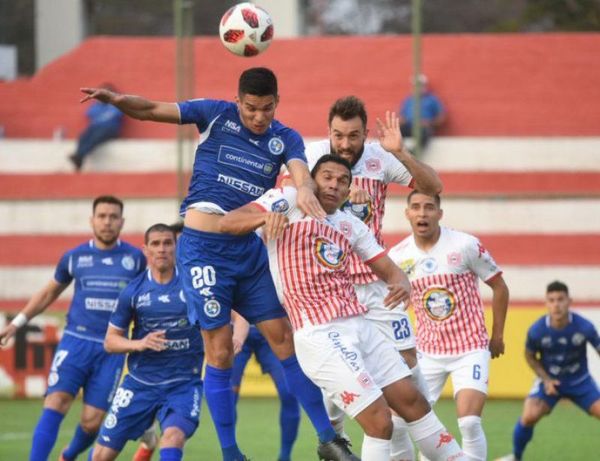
x=108 y=347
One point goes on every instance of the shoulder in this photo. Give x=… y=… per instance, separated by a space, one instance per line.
x=280 y=130
x=128 y=247
x=317 y=149
x=136 y=285
x=537 y=327
x=581 y=322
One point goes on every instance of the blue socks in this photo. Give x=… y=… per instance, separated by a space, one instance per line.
x=44 y=435
x=310 y=397
x=217 y=389
x=521 y=437
x=81 y=441
x=289 y=416
x=171 y=454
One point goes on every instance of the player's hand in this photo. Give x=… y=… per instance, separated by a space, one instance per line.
x=496 y=347
x=275 y=224
x=358 y=195
x=389 y=133
x=551 y=386
x=308 y=203
x=398 y=293
x=101 y=94
x=155 y=341
x=6 y=333
x=237 y=345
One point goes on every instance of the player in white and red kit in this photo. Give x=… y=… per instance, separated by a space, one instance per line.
x=444 y=267
x=375 y=165
x=337 y=348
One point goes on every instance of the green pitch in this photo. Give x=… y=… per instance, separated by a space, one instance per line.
x=567 y=434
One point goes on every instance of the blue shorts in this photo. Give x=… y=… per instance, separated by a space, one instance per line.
x=81 y=363
x=136 y=405
x=221 y=272
x=256 y=343
x=583 y=394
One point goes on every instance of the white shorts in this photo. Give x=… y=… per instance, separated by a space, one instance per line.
x=468 y=371
x=393 y=323
x=350 y=360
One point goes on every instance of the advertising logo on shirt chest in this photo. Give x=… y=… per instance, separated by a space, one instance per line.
x=439 y=303
x=246 y=161
x=328 y=253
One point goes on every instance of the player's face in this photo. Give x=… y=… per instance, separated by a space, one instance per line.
x=424 y=216
x=333 y=185
x=160 y=251
x=257 y=112
x=558 y=303
x=347 y=138
x=107 y=222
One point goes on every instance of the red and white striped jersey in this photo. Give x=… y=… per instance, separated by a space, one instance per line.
x=309 y=263
x=445 y=290
x=375 y=169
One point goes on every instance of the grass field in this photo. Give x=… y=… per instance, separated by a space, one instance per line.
x=567 y=435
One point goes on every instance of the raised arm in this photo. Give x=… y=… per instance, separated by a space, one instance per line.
x=425 y=178
x=307 y=200
x=499 y=308
x=398 y=284
x=135 y=106
x=38 y=303
x=116 y=341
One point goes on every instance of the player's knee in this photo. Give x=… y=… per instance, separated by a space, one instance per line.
x=102 y=453
x=172 y=437
x=470 y=427
x=91 y=422
x=531 y=418
x=376 y=421
x=595 y=409
x=58 y=401
x=220 y=358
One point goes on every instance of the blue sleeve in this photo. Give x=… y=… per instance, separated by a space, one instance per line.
x=123 y=313
x=295 y=148
x=592 y=336
x=64 y=269
x=531 y=344
x=201 y=111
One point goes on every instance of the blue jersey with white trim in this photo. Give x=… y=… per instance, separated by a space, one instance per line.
x=563 y=352
x=100 y=275
x=153 y=306
x=234 y=166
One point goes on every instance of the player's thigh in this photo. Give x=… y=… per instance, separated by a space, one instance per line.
x=331 y=357
x=102 y=384
x=434 y=370
x=181 y=407
x=133 y=409
x=594 y=409
x=71 y=365
x=218 y=346
x=279 y=336
x=585 y=395
x=103 y=453
x=534 y=409
x=470 y=371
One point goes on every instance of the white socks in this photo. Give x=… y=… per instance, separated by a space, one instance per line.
x=375 y=449
x=402 y=447
x=433 y=440
x=420 y=382
x=473 y=438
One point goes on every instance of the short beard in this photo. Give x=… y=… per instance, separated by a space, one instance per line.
x=354 y=160
x=108 y=243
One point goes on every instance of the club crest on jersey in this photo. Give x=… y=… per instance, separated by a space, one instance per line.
x=276 y=146
x=363 y=211
x=346 y=229
x=329 y=254
x=454 y=259
x=128 y=262
x=439 y=303
x=578 y=339
x=212 y=308
x=280 y=206
x=373 y=165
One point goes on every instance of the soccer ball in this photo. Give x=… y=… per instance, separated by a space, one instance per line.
x=246 y=29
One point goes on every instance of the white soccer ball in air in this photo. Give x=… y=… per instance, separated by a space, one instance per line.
x=246 y=29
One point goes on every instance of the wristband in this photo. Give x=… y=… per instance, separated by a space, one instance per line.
x=20 y=320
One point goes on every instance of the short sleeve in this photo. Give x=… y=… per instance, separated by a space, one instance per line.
x=201 y=111
x=363 y=241
x=64 y=269
x=531 y=344
x=316 y=150
x=394 y=170
x=592 y=336
x=293 y=148
x=123 y=313
x=281 y=200
x=480 y=260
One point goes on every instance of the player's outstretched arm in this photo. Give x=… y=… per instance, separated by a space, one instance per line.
x=38 y=303
x=425 y=178
x=250 y=217
x=116 y=342
x=306 y=199
x=134 y=106
x=398 y=284
x=500 y=297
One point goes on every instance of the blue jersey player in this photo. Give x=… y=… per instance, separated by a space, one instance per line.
x=100 y=269
x=556 y=352
x=247 y=340
x=165 y=357
x=241 y=150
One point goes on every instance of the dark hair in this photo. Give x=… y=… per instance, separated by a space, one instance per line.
x=557 y=286
x=177 y=227
x=159 y=227
x=331 y=158
x=436 y=197
x=107 y=199
x=347 y=108
x=258 y=81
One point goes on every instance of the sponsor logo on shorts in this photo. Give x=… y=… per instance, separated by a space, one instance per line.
x=280 y=206
x=212 y=308
x=348 y=355
x=53 y=378
x=241 y=185
x=365 y=380
x=128 y=262
x=363 y=211
x=439 y=303
x=195 y=404
x=100 y=304
x=328 y=253
x=276 y=146
x=246 y=161
x=348 y=397
x=110 y=422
